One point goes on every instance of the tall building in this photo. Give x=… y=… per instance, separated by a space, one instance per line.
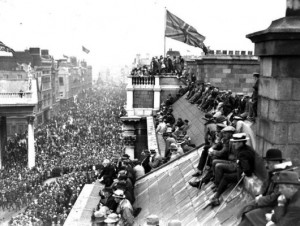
x=73 y=77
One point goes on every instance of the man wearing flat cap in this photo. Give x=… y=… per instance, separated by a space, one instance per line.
x=287 y=211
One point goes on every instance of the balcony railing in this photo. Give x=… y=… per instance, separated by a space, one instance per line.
x=143 y=81
x=26 y=95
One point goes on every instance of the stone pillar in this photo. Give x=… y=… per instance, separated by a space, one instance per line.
x=3 y=137
x=157 y=90
x=30 y=142
x=129 y=92
x=278 y=122
x=292 y=8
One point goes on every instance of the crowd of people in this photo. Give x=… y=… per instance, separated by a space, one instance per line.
x=161 y=65
x=70 y=147
x=117 y=196
x=229 y=156
x=209 y=98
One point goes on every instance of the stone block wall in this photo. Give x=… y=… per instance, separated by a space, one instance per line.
x=227 y=72
x=143 y=98
x=165 y=92
x=278 y=122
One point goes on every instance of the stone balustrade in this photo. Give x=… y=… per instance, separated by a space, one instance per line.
x=26 y=95
x=231 y=52
x=143 y=81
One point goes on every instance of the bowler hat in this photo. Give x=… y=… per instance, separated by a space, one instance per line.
x=273 y=155
x=256 y=75
x=287 y=177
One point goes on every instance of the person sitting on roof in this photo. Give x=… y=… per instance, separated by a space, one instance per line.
x=253 y=213
x=175 y=152
x=155 y=160
x=108 y=173
x=219 y=150
x=240 y=164
x=124 y=208
x=288 y=203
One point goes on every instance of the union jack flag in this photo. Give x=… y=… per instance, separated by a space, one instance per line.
x=179 y=30
x=5 y=48
x=85 y=50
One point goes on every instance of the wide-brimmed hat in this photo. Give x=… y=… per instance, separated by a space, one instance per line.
x=238 y=137
x=173 y=146
x=273 y=155
x=228 y=129
x=106 y=161
x=237 y=118
x=169 y=130
x=208 y=117
x=287 y=177
x=101 y=212
x=119 y=194
x=152 y=220
x=112 y=218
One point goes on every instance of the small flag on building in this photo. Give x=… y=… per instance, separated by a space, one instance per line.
x=65 y=56
x=179 y=30
x=5 y=48
x=85 y=50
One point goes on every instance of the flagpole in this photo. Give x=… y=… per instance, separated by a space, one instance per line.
x=165 y=32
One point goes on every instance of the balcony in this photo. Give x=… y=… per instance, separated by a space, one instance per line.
x=11 y=93
x=143 y=81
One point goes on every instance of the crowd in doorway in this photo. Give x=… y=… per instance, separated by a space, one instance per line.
x=71 y=147
x=160 y=65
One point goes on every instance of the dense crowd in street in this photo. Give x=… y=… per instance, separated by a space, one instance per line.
x=71 y=147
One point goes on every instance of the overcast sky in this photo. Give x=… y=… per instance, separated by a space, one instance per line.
x=116 y=30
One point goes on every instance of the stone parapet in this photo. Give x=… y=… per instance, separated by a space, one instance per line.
x=227 y=72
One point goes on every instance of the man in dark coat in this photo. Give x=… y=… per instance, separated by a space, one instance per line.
x=108 y=173
x=286 y=213
x=254 y=212
x=245 y=165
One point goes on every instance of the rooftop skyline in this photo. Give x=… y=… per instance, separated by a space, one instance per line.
x=115 y=31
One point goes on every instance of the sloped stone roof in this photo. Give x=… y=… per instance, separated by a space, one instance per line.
x=183 y=109
x=167 y=194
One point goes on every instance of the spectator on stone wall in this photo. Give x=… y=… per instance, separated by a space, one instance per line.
x=155 y=160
